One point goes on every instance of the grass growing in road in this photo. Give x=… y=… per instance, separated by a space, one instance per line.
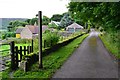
x=51 y=62
x=110 y=45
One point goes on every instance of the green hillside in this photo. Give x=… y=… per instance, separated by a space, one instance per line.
x=4 y=22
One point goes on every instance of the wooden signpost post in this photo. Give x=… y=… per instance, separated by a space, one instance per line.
x=40 y=38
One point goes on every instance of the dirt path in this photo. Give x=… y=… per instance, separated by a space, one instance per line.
x=90 y=60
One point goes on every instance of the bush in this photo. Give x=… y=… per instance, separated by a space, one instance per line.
x=53 y=25
x=3 y=36
x=101 y=29
x=22 y=41
x=35 y=44
x=10 y=34
x=54 y=38
x=7 y=34
x=50 y=38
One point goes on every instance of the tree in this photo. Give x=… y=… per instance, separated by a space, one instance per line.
x=66 y=20
x=89 y=25
x=28 y=21
x=33 y=21
x=3 y=36
x=56 y=17
x=10 y=34
x=104 y=15
x=45 y=20
x=100 y=14
x=14 y=24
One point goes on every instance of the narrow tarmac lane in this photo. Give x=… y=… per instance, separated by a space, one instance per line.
x=90 y=60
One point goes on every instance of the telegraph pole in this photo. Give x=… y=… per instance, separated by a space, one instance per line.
x=40 y=38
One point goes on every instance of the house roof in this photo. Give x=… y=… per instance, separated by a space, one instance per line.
x=19 y=30
x=44 y=27
x=75 y=25
x=55 y=22
x=32 y=28
x=35 y=29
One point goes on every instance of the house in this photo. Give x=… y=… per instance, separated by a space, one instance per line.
x=54 y=24
x=74 y=27
x=18 y=31
x=29 y=31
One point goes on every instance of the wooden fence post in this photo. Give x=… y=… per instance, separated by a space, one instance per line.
x=12 y=45
x=40 y=38
x=16 y=56
x=32 y=45
x=20 y=53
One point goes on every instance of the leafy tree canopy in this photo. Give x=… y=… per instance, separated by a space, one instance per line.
x=14 y=24
x=99 y=14
x=56 y=17
x=45 y=20
x=66 y=20
x=33 y=21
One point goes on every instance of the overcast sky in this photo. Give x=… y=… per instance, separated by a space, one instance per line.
x=29 y=8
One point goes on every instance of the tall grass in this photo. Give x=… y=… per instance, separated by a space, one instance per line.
x=112 y=43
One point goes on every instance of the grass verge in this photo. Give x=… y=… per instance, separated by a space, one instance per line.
x=111 y=47
x=51 y=63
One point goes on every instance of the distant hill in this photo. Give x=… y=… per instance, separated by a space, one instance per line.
x=4 y=22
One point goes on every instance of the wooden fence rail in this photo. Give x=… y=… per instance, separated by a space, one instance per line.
x=5 y=50
x=3 y=44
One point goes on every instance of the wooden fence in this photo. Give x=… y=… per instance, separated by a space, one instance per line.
x=17 y=53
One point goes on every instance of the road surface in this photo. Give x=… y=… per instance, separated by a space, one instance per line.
x=90 y=60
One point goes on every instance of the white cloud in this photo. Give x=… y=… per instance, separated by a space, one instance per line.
x=29 y=8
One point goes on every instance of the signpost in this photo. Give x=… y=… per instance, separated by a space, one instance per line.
x=40 y=38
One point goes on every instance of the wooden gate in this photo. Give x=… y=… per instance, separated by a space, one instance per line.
x=17 y=53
